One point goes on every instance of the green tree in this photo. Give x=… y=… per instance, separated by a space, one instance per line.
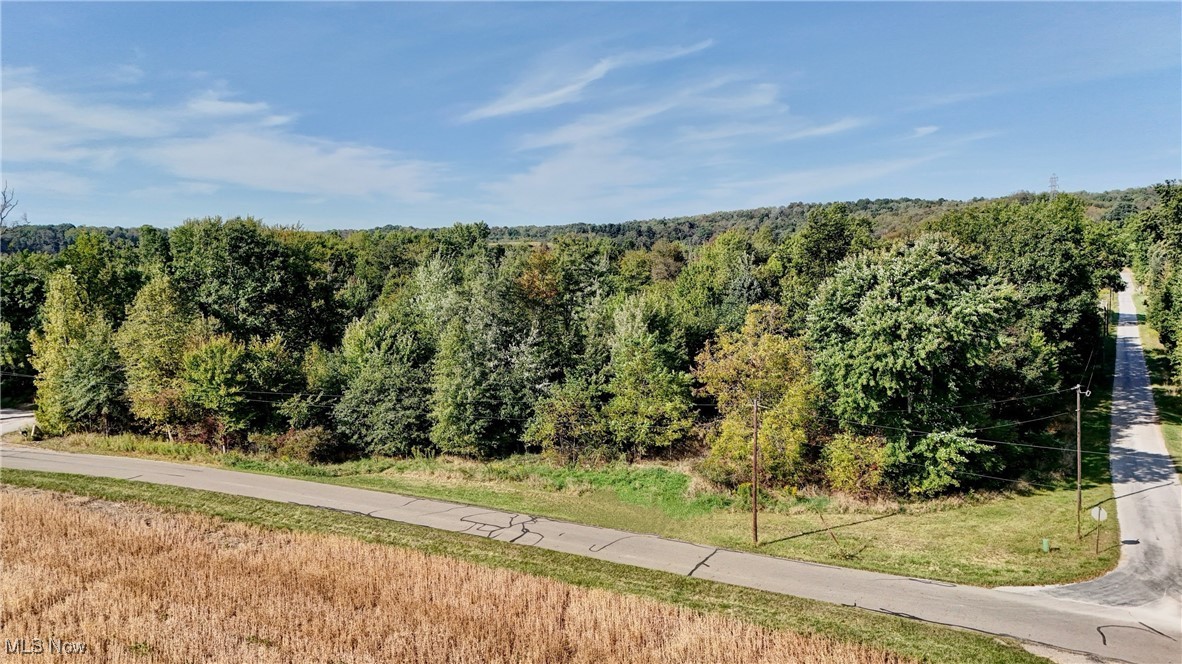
x=63 y=324
x=1156 y=240
x=902 y=336
x=152 y=343
x=809 y=256
x=1056 y=259
x=715 y=288
x=79 y=379
x=856 y=464
x=488 y=372
x=253 y=281
x=93 y=381
x=272 y=373
x=386 y=357
x=650 y=406
x=758 y=363
x=107 y=274
x=214 y=380
x=23 y=278
x=569 y=423
x=154 y=253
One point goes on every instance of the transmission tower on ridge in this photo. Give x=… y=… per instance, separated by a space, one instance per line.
x=1054 y=185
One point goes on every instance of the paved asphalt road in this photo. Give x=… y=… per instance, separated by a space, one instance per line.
x=1131 y=614
x=1149 y=497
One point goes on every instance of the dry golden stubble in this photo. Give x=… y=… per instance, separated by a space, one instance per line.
x=138 y=584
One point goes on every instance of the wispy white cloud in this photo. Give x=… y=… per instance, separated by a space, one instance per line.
x=125 y=75
x=972 y=137
x=926 y=130
x=597 y=125
x=550 y=88
x=750 y=110
x=778 y=130
x=596 y=175
x=178 y=189
x=28 y=106
x=213 y=104
x=276 y=161
x=638 y=157
x=827 y=129
x=57 y=183
x=208 y=140
x=935 y=100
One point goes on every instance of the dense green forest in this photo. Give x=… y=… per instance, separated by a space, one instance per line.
x=897 y=346
x=1156 y=246
x=891 y=217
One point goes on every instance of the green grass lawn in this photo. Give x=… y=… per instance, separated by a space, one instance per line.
x=1166 y=394
x=922 y=641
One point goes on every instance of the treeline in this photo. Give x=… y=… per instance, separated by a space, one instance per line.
x=1156 y=240
x=873 y=363
x=54 y=238
x=890 y=217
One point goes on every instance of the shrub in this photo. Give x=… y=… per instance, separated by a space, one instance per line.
x=935 y=463
x=782 y=439
x=569 y=426
x=262 y=443
x=855 y=464
x=310 y=445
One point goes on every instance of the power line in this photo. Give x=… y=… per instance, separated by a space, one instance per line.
x=980 y=440
x=930 y=433
x=988 y=403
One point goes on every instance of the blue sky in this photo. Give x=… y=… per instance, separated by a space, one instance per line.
x=360 y=115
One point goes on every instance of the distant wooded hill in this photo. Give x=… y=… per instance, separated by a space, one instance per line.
x=891 y=218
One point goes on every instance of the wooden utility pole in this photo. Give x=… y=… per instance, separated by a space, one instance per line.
x=755 y=471
x=1078 y=470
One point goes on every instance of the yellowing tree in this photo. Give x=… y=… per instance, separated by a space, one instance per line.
x=758 y=363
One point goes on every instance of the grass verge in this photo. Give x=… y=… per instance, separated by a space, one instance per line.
x=906 y=638
x=1166 y=395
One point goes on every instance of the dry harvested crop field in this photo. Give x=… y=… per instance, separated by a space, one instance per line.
x=138 y=584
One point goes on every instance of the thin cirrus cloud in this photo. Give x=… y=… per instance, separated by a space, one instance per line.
x=827 y=129
x=926 y=130
x=637 y=157
x=55 y=182
x=550 y=89
x=588 y=181
x=756 y=111
x=779 y=130
x=281 y=162
x=208 y=139
x=597 y=125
